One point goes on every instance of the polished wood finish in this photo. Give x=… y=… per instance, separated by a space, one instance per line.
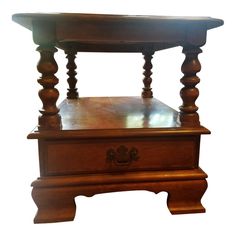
x=95 y=145
x=116 y=113
x=100 y=117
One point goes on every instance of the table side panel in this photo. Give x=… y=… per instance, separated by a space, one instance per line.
x=66 y=157
x=120 y=32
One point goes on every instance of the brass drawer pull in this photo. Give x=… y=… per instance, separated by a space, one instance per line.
x=122 y=156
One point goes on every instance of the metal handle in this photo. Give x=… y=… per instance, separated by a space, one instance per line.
x=122 y=156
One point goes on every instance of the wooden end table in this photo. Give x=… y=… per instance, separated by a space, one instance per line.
x=94 y=145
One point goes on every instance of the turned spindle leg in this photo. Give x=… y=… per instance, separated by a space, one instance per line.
x=50 y=119
x=189 y=93
x=71 y=66
x=147 y=90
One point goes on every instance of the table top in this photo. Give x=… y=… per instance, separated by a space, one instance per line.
x=101 y=32
x=25 y=19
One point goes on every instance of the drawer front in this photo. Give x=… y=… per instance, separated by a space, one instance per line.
x=112 y=155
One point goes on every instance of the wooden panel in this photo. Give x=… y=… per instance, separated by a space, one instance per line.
x=121 y=32
x=90 y=156
x=116 y=113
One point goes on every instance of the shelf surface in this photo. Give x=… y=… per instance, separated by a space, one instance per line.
x=116 y=117
x=116 y=113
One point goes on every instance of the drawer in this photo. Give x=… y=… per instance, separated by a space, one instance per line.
x=62 y=157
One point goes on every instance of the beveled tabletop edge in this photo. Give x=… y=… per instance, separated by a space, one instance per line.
x=25 y=19
x=116 y=133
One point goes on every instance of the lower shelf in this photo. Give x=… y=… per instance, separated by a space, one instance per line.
x=90 y=117
x=54 y=196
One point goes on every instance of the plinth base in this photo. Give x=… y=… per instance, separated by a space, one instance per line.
x=54 y=196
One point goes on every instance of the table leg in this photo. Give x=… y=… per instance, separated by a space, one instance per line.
x=189 y=93
x=47 y=66
x=71 y=66
x=54 y=204
x=147 y=90
x=185 y=197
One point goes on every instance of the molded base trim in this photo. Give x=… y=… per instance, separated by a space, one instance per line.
x=54 y=196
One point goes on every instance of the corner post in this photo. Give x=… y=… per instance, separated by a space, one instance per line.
x=189 y=93
x=44 y=36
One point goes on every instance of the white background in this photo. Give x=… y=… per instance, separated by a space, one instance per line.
x=126 y=213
